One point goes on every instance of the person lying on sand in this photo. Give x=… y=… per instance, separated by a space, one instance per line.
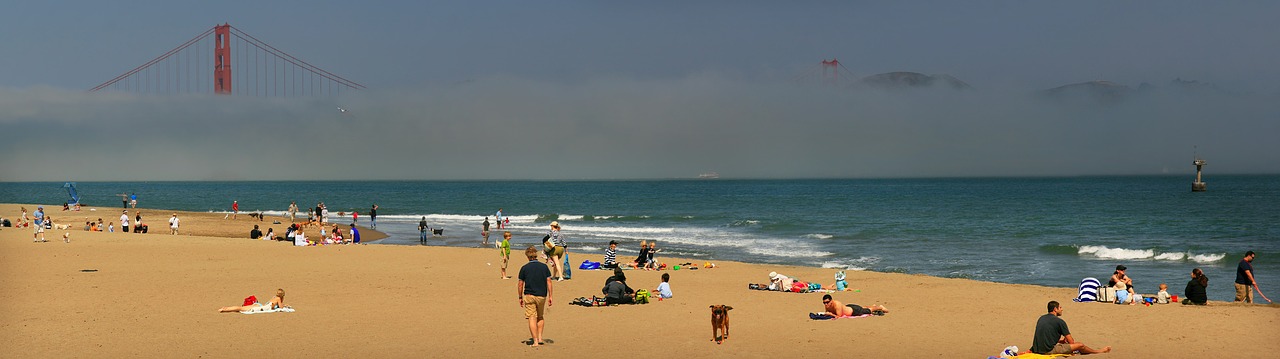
x=837 y=309
x=276 y=303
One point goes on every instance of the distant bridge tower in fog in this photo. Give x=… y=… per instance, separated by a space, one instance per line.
x=829 y=72
x=1198 y=186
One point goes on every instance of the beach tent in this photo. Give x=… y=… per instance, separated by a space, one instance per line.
x=1088 y=290
x=71 y=191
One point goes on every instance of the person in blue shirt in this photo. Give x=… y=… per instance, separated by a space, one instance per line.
x=355 y=234
x=39 y=221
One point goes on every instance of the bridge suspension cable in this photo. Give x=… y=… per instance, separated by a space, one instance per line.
x=227 y=60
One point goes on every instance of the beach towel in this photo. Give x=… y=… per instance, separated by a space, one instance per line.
x=1040 y=356
x=827 y=316
x=264 y=310
x=1088 y=290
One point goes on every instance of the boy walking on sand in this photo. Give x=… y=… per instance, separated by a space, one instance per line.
x=534 y=290
x=504 y=250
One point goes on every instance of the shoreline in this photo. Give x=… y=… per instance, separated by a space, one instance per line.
x=156 y=295
x=195 y=224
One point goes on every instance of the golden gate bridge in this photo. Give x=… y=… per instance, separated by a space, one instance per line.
x=239 y=63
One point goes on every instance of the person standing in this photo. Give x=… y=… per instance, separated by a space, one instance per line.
x=173 y=224
x=1245 y=282
x=504 y=250
x=355 y=217
x=422 y=230
x=557 y=249
x=1053 y=337
x=293 y=211
x=497 y=217
x=324 y=214
x=124 y=221
x=373 y=217
x=534 y=290
x=133 y=200
x=39 y=221
x=318 y=207
x=235 y=209
x=484 y=231
x=124 y=201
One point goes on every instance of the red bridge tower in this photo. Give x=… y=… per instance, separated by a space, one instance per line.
x=222 y=59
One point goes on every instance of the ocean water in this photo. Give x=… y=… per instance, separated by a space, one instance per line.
x=1044 y=231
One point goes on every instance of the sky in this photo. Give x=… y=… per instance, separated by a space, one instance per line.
x=648 y=90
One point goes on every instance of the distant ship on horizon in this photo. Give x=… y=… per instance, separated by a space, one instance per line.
x=709 y=175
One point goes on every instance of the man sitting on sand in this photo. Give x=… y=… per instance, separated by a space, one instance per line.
x=1053 y=337
x=837 y=309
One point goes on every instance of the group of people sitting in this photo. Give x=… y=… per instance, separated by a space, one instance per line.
x=616 y=290
x=297 y=235
x=1125 y=293
x=643 y=260
x=92 y=226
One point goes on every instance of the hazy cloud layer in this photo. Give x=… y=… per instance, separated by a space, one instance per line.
x=623 y=128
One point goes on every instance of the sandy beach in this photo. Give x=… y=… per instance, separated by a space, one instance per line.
x=157 y=295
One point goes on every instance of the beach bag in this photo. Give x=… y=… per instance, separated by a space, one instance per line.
x=568 y=274
x=1088 y=290
x=250 y=300
x=589 y=265
x=642 y=296
x=814 y=286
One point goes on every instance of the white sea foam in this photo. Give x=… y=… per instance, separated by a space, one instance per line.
x=1104 y=252
x=1206 y=258
x=569 y=217
x=859 y=264
x=818 y=236
x=786 y=250
x=1116 y=253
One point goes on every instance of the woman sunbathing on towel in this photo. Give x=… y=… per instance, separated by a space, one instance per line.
x=275 y=303
x=837 y=309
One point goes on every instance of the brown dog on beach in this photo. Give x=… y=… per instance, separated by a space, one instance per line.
x=720 y=322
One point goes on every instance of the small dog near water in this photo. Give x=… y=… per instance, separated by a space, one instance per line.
x=720 y=323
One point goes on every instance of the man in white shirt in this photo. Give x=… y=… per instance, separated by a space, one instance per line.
x=173 y=223
x=124 y=221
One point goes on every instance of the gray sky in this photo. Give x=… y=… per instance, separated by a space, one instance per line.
x=612 y=90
